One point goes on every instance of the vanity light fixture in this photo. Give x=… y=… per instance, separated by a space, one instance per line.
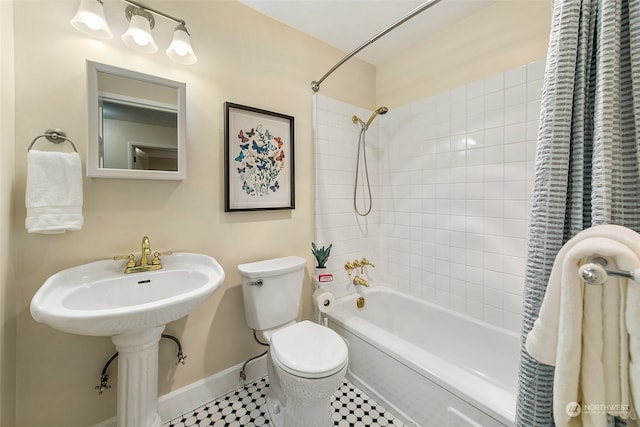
x=180 y=49
x=90 y=20
x=138 y=35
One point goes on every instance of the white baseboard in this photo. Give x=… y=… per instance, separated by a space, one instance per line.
x=197 y=394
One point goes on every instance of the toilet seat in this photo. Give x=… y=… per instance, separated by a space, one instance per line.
x=309 y=350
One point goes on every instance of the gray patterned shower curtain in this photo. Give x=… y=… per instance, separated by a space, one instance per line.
x=587 y=161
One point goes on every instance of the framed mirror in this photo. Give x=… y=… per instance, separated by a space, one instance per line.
x=136 y=125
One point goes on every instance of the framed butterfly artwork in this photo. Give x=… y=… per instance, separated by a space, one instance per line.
x=258 y=152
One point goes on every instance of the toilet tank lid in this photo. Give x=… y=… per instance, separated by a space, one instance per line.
x=272 y=267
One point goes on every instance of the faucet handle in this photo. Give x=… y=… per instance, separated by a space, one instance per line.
x=366 y=262
x=131 y=259
x=156 y=257
x=360 y=265
x=349 y=267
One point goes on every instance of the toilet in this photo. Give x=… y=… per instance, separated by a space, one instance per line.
x=306 y=362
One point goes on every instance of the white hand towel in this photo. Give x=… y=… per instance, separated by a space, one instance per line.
x=54 y=192
x=581 y=329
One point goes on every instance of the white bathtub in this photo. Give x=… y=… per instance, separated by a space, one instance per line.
x=431 y=366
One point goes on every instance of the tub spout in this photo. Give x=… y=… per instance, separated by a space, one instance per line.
x=359 y=281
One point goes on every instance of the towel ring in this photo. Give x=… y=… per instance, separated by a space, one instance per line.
x=54 y=135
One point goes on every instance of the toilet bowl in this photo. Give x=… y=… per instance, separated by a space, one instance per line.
x=306 y=365
x=306 y=362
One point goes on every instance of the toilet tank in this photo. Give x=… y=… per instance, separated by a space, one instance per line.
x=271 y=291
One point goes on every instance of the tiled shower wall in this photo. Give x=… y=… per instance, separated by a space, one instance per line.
x=453 y=176
x=336 y=145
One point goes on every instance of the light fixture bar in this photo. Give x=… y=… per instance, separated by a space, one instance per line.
x=157 y=12
x=90 y=20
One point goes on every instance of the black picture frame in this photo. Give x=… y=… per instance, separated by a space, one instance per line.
x=259 y=159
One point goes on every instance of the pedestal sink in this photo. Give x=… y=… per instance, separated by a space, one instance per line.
x=98 y=299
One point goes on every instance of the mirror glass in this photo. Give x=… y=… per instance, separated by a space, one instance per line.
x=136 y=125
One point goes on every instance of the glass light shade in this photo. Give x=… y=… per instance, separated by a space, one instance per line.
x=180 y=49
x=90 y=19
x=138 y=36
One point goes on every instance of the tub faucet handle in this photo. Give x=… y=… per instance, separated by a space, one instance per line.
x=364 y=262
x=349 y=267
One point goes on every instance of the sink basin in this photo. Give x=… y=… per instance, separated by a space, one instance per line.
x=98 y=299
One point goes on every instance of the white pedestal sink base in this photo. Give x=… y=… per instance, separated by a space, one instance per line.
x=98 y=299
x=138 y=377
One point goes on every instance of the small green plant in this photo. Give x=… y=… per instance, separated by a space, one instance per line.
x=321 y=254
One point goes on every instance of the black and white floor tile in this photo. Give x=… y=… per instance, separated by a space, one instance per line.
x=246 y=407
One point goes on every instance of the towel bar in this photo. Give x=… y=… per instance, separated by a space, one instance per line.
x=55 y=136
x=595 y=272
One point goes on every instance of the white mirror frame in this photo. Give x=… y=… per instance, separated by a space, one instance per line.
x=93 y=168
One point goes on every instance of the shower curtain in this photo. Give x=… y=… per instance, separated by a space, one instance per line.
x=587 y=160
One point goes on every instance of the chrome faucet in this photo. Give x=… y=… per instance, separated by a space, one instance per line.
x=143 y=265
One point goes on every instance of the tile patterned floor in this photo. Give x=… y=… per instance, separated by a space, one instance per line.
x=246 y=407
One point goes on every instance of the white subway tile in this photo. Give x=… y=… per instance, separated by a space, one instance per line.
x=512 y=302
x=451 y=217
x=493 y=280
x=458 y=94
x=535 y=70
x=494 y=136
x=475 y=89
x=493 y=262
x=475 y=273
x=494 y=118
x=494 y=100
x=534 y=90
x=494 y=83
x=515 y=133
x=494 y=154
x=515 y=95
x=515 y=76
x=515 y=114
x=475 y=174
x=493 y=297
x=476 y=122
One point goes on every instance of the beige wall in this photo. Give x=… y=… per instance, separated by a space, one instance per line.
x=244 y=58
x=505 y=35
x=7 y=284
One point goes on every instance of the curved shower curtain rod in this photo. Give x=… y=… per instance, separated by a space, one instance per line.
x=315 y=85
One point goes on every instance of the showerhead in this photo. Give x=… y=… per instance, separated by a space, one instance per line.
x=381 y=111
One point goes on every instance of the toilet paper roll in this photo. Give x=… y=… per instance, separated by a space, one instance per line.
x=323 y=300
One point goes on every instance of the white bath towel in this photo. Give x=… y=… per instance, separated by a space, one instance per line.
x=582 y=331
x=54 y=192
